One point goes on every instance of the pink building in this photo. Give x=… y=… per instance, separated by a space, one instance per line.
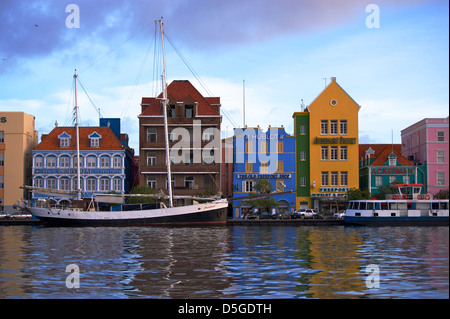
x=426 y=143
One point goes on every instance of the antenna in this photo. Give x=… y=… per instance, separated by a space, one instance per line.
x=302 y=106
x=325 y=79
x=243 y=100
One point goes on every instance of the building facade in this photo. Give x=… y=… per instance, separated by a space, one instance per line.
x=17 y=140
x=327 y=150
x=257 y=156
x=384 y=164
x=194 y=140
x=427 y=143
x=103 y=162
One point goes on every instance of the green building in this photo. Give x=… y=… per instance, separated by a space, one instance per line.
x=383 y=164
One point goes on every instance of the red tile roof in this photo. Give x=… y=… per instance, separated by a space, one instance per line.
x=109 y=140
x=382 y=152
x=180 y=90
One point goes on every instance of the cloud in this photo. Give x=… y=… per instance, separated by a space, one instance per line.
x=36 y=27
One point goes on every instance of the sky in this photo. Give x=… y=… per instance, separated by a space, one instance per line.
x=391 y=57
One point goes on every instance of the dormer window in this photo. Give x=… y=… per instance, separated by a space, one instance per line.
x=64 y=140
x=392 y=160
x=94 y=140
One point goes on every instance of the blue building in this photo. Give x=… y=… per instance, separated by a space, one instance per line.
x=259 y=155
x=105 y=161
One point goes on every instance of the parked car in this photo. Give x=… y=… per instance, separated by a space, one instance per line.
x=20 y=215
x=339 y=215
x=4 y=216
x=305 y=213
x=285 y=215
x=259 y=215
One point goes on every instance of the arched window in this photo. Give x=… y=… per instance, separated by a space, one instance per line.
x=91 y=184
x=104 y=184
x=105 y=161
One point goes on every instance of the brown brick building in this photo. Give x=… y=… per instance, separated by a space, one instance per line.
x=194 y=139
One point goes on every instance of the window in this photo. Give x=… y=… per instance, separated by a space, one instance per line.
x=188 y=111
x=406 y=179
x=280 y=185
x=324 y=151
x=302 y=130
x=392 y=160
x=51 y=161
x=248 y=147
x=392 y=179
x=104 y=184
x=324 y=178
x=151 y=134
x=38 y=182
x=343 y=153
x=303 y=156
x=2 y=137
x=75 y=162
x=280 y=166
x=171 y=111
x=189 y=182
x=208 y=135
x=280 y=147
x=378 y=180
x=104 y=161
x=95 y=142
x=64 y=162
x=440 y=157
x=2 y=182
x=248 y=167
x=334 y=153
x=303 y=181
x=51 y=183
x=38 y=161
x=117 y=184
x=75 y=184
x=117 y=162
x=440 y=136
x=440 y=176
x=334 y=179
x=248 y=186
x=264 y=167
x=344 y=178
x=333 y=127
x=2 y=159
x=262 y=147
x=173 y=182
x=343 y=124
x=151 y=181
x=64 y=184
x=151 y=158
x=324 y=127
x=91 y=161
x=91 y=185
x=64 y=142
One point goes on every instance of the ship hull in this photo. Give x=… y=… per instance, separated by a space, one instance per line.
x=201 y=214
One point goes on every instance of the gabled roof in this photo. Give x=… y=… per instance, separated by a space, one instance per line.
x=382 y=152
x=51 y=141
x=180 y=90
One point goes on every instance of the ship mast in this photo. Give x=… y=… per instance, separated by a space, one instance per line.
x=77 y=128
x=164 y=108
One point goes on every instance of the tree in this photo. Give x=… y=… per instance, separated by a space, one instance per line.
x=263 y=187
x=442 y=194
x=356 y=194
x=141 y=200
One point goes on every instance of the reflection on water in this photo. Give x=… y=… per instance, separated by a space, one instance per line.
x=224 y=262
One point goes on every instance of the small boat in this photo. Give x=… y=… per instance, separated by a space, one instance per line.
x=408 y=207
x=103 y=211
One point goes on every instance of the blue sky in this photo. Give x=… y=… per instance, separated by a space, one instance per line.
x=283 y=49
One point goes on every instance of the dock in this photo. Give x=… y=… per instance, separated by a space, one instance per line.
x=285 y=222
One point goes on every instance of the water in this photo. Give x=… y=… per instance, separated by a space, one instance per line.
x=225 y=262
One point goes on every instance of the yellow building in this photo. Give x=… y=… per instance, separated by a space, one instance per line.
x=17 y=140
x=327 y=166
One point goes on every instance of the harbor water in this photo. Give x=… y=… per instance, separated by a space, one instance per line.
x=224 y=262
